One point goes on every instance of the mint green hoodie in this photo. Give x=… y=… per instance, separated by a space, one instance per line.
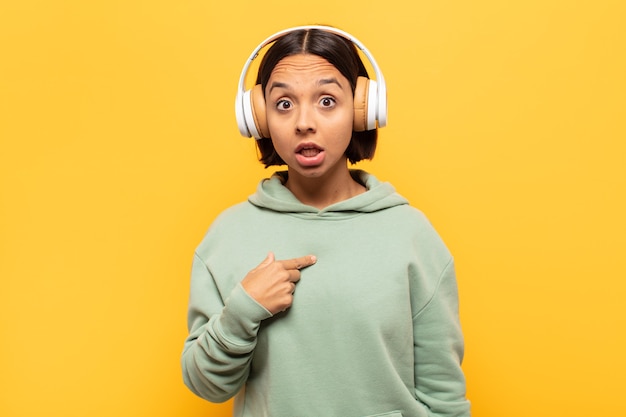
x=373 y=329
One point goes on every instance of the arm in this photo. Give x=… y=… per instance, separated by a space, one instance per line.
x=438 y=347
x=222 y=336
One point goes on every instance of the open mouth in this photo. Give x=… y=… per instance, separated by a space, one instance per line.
x=308 y=150
x=309 y=154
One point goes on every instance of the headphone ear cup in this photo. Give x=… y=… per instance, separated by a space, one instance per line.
x=257 y=101
x=360 y=104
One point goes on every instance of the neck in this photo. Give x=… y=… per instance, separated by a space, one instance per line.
x=321 y=192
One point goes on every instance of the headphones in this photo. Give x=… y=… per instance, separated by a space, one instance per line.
x=370 y=97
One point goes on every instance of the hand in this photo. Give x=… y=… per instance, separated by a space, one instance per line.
x=273 y=282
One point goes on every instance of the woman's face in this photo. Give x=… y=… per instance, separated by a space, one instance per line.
x=310 y=113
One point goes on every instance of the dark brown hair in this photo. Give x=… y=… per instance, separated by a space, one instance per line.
x=343 y=55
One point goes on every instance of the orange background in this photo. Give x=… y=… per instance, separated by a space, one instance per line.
x=118 y=147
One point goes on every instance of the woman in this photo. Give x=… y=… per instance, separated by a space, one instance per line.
x=354 y=310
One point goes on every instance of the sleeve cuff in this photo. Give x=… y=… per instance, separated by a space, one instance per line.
x=241 y=317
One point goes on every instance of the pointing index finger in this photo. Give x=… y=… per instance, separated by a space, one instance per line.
x=299 y=263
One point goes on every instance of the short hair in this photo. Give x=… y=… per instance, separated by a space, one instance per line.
x=343 y=55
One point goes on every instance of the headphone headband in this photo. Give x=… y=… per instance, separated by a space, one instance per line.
x=380 y=111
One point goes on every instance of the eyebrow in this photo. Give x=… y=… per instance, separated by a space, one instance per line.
x=323 y=81
x=276 y=84
x=332 y=80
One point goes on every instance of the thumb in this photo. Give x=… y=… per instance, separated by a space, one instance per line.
x=269 y=259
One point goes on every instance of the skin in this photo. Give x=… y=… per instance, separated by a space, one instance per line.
x=310 y=105
x=310 y=112
x=273 y=282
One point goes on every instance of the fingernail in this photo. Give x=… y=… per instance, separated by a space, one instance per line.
x=313 y=258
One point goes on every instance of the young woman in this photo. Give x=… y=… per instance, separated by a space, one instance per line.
x=325 y=294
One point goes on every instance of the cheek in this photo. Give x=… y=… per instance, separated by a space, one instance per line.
x=277 y=123
x=343 y=125
x=348 y=116
x=280 y=140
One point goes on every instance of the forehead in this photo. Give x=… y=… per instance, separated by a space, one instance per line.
x=307 y=65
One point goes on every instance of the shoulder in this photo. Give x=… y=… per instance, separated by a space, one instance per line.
x=413 y=219
x=237 y=214
x=419 y=232
x=233 y=222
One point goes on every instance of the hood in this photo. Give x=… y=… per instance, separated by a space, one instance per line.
x=271 y=194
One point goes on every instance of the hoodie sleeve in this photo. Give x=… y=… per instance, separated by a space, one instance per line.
x=438 y=347
x=222 y=336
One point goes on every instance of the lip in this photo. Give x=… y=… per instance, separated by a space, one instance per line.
x=308 y=145
x=310 y=160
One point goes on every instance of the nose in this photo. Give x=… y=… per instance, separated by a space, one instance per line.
x=305 y=120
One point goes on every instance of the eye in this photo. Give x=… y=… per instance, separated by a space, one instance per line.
x=327 y=102
x=283 y=104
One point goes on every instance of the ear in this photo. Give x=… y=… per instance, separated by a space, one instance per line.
x=257 y=100
x=360 y=104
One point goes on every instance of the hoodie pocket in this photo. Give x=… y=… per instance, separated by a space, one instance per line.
x=389 y=414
